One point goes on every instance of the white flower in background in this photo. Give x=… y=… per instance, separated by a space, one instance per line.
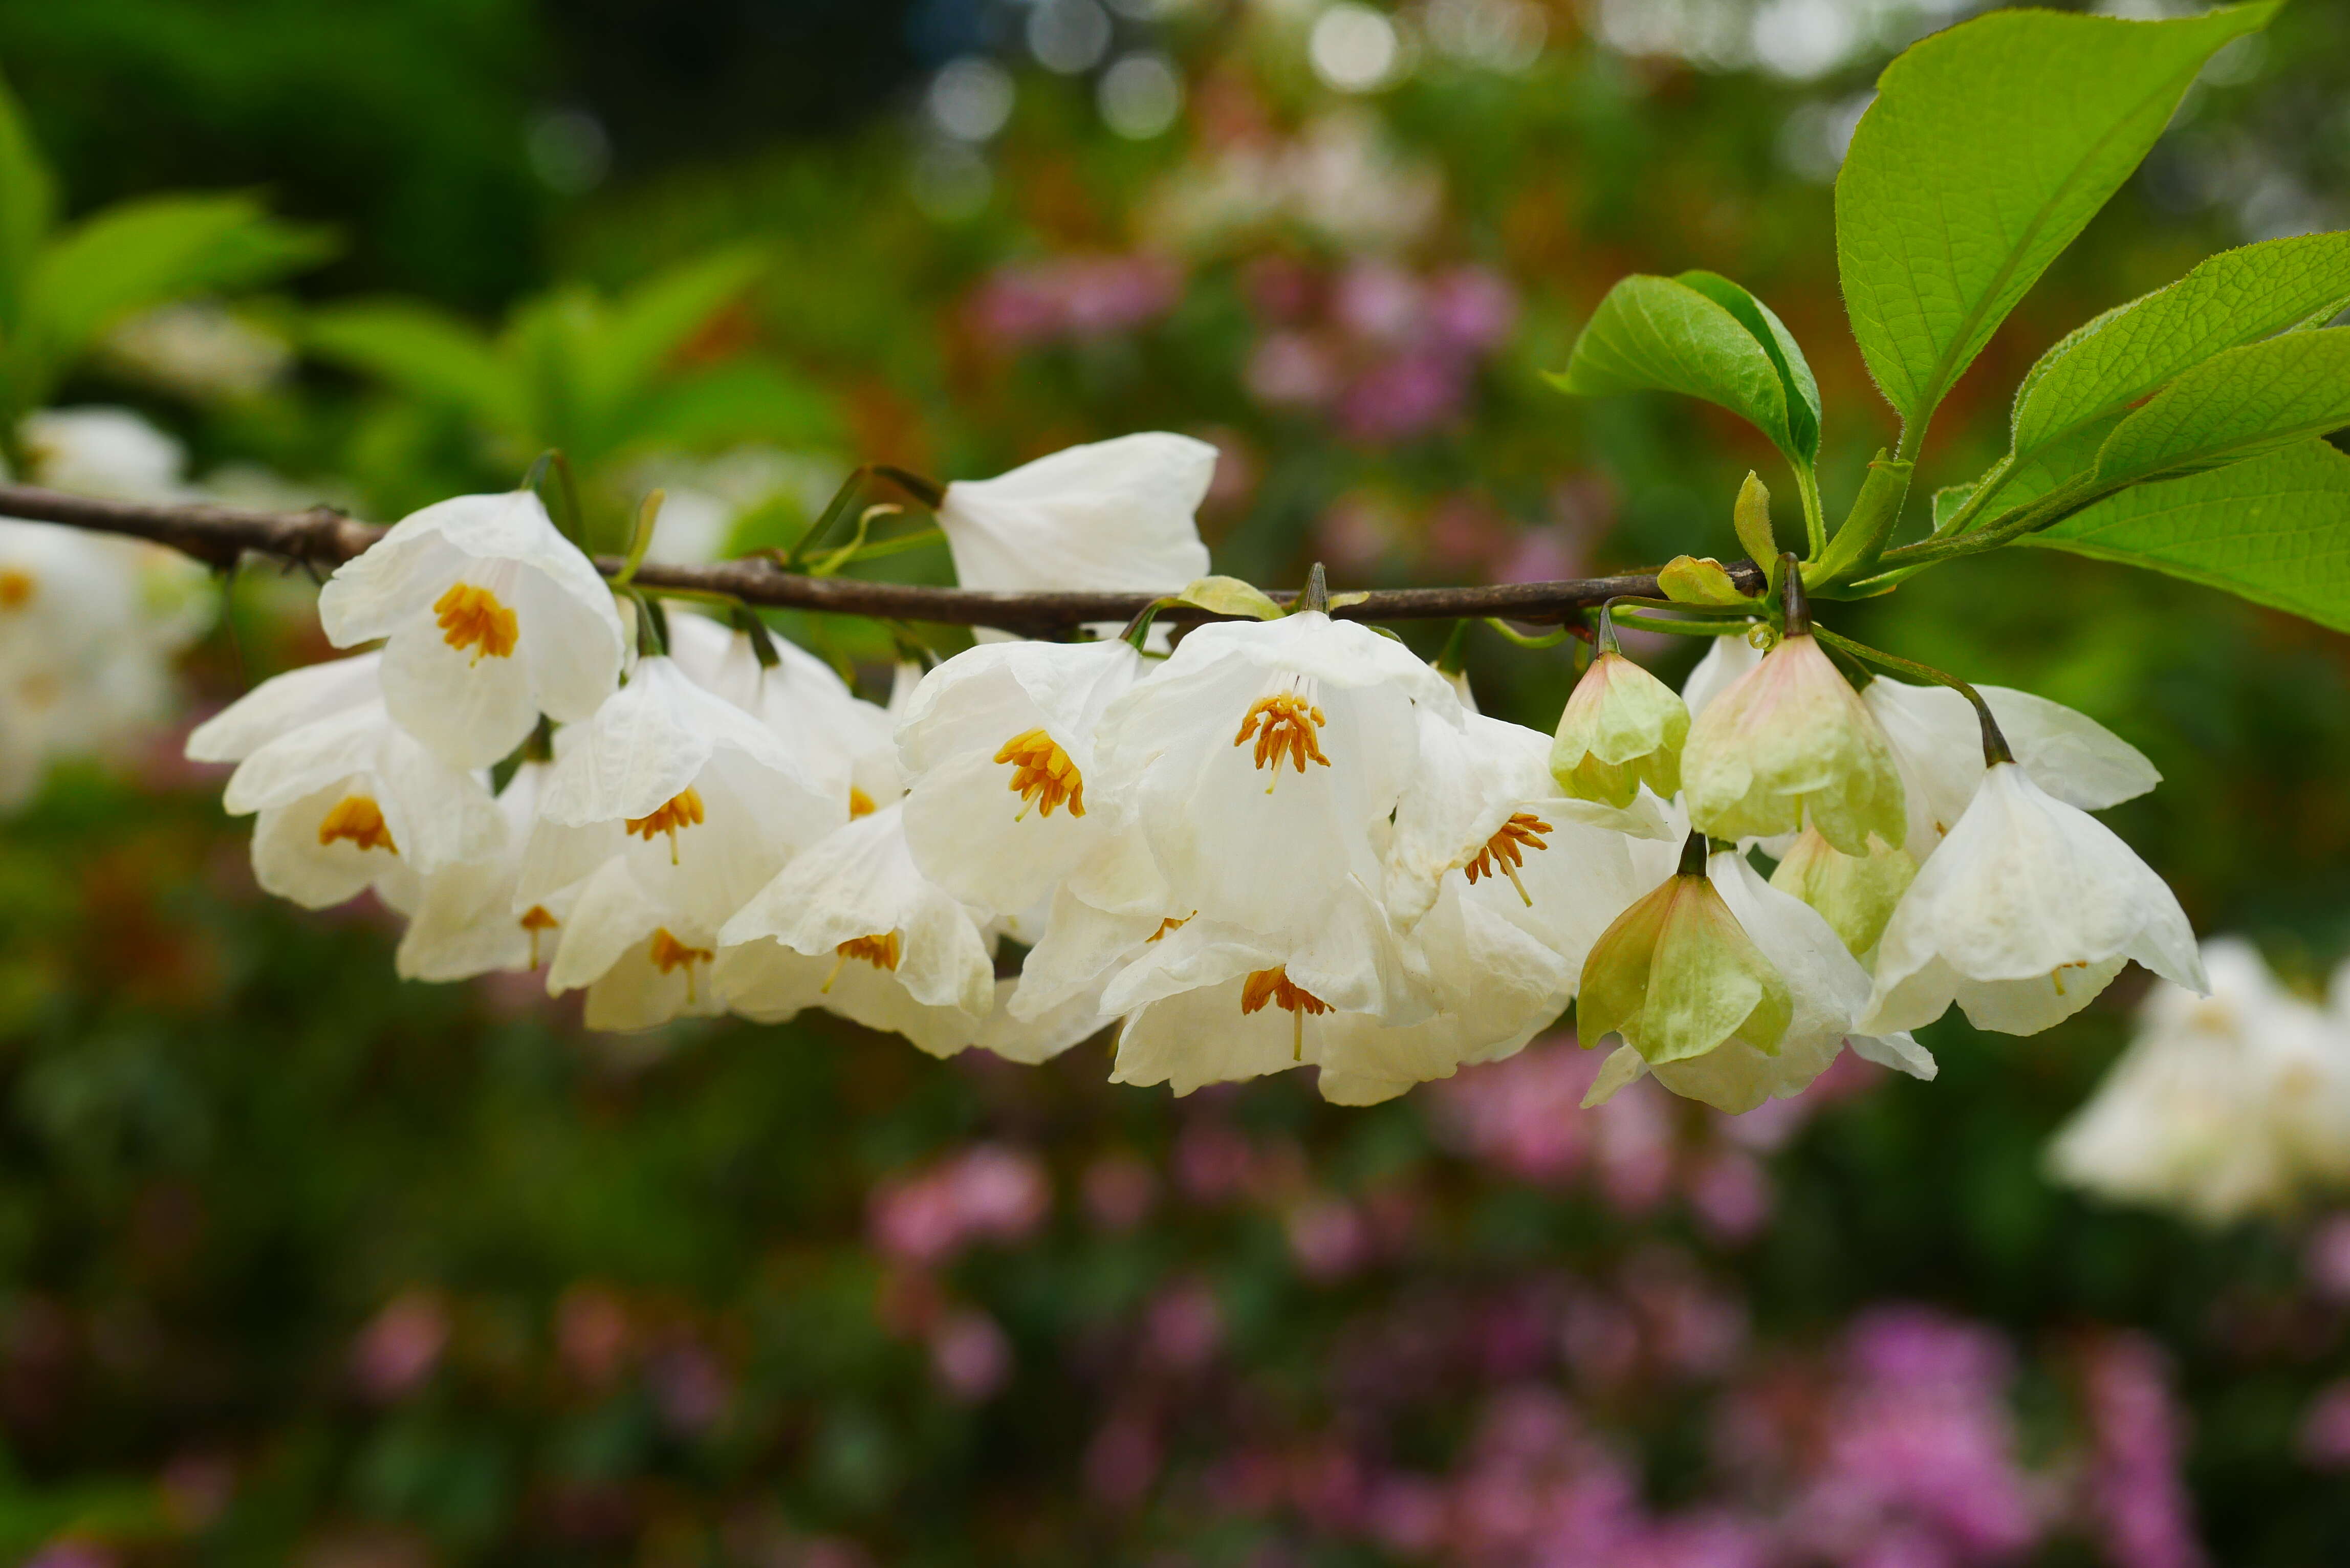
x=667 y=810
x=201 y=349
x=105 y=452
x=491 y=617
x=847 y=746
x=853 y=927
x=2026 y=911
x=1115 y=514
x=350 y=798
x=1005 y=800
x=463 y=919
x=1622 y=729
x=2222 y=1106
x=1936 y=742
x=1264 y=761
x=1804 y=1010
x=1790 y=742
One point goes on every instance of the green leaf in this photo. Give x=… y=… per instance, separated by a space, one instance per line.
x=1232 y=596
x=1662 y=334
x=2235 y=297
x=648 y=325
x=745 y=401
x=1786 y=354
x=424 y=352
x=1700 y=580
x=148 y=252
x=2233 y=406
x=2274 y=530
x=1989 y=146
x=28 y=204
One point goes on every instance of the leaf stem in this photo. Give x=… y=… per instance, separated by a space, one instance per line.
x=1995 y=747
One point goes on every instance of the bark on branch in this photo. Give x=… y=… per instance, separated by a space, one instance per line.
x=220 y=535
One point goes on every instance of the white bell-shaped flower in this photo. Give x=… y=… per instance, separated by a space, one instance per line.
x=640 y=944
x=1005 y=799
x=852 y=926
x=284 y=703
x=462 y=918
x=351 y=797
x=2223 y=1107
x=491 y=617
x=845 y=745
x=2025 y=912
x=1825 y=990
x=1265 y=760
x=701 y=801
x=1215 y=1004
x=1936 y=742
x=1111 y=515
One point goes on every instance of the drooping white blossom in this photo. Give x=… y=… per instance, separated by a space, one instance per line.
x=2223 y=1105
x=852 y=926
x=1936 y=742
x=1265 y=760
x=490 y=618
x=1005 y=799
x=462 y=921
x=2025 y=912
x=1113 y=515
x=845 y=745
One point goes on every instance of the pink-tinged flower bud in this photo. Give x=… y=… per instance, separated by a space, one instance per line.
x=1622 y=728
x=1791 y=743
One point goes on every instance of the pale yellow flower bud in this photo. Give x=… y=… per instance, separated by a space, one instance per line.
x=1856 y=894
x=1622 y=728
x=1790 y=743
x=1676 y=976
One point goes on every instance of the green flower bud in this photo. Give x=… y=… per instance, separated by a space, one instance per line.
x=1790 y=742
x=1622 y=728
x=1676 y=976
x=1853 y=893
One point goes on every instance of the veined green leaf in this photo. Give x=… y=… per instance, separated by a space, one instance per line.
x=425 y=352
x=745 y=401
x=2274 y=530
x=27 y=204
x=2233 y=406
x=1662 y=334
x=1989 y=146
x=2235 y=297
x=148 y=252
x=1786 y=354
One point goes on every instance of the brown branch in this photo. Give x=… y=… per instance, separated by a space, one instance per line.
x=220 y=535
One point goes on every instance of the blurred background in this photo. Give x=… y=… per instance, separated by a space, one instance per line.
x=302 y=1264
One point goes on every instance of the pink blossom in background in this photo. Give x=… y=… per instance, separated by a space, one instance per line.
x=1729 y=1193
x=988 y=1192
x=592 y=1334
x=1407 y=394
x=1379 y=301
x=197 y=1489
x=1541 y=555
x=1327 y=1237
x=1183 y=1327
x=2135 y=1490
x=1074 y=298
x=2325 y=1430
x=1919 y=1460
x=1472 y=308
x=689 y=1389
x=1521 y=1115
x=1280 y=288
x=1291 y=369
x=401 y=1345
x=2328 y=1258
x=1122 y=1460
x=969 y=1355
x=1119 y=1192
x=73 y=1554
x=1358 y=532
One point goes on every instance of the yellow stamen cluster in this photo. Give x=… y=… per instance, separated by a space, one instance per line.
x=682 y=809
x=1273 y=986
x=860 y=802
x=1522 y=831
x=359 y=819
x=1043 y=775
x=879 y=949
x=1169 y=924
x=669 y=955
x=1284 y=727
x=16 y=587
x=535 y=921
x=473 y=618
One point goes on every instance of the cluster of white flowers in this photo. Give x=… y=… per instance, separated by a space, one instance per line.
x=89 y=623
x=1290 y=841
x=2225 y=1105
